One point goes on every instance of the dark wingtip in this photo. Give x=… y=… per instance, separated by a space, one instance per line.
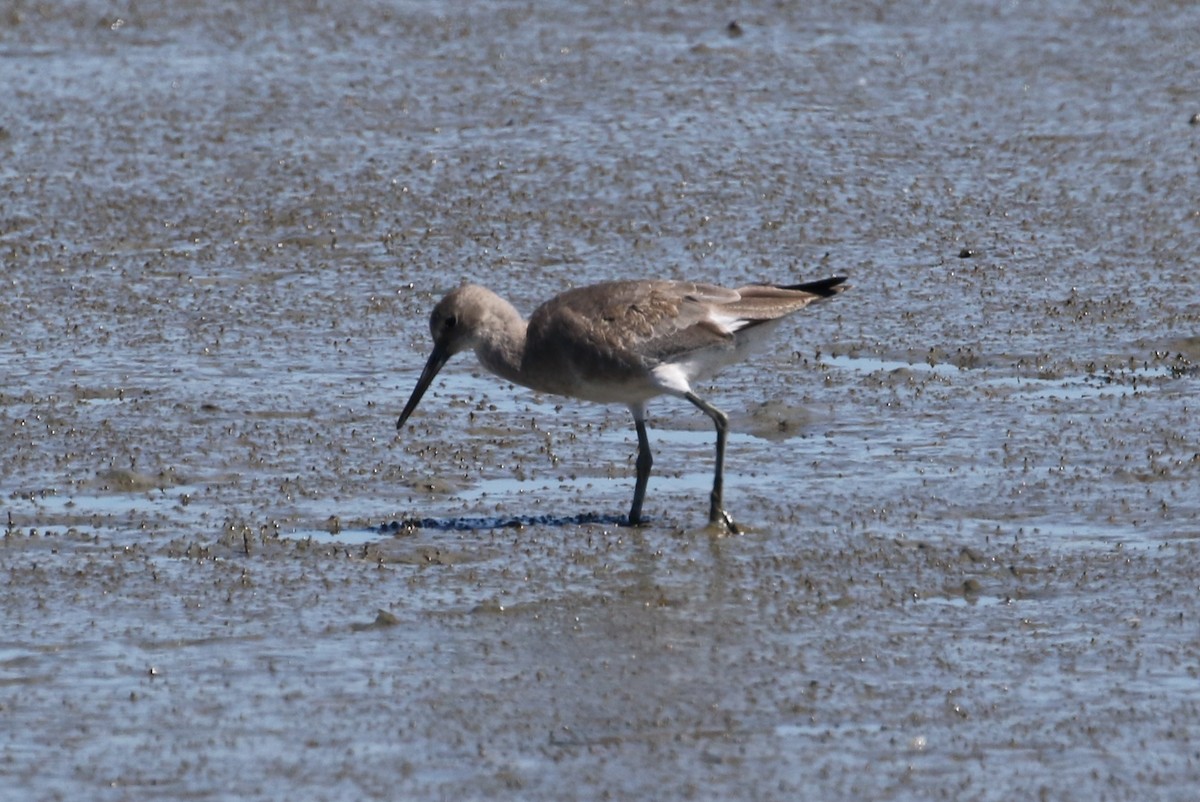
x=826 y=287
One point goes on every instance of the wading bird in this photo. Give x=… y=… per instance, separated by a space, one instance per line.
x=619 y=342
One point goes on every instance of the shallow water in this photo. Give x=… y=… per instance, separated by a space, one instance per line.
x=971 y=562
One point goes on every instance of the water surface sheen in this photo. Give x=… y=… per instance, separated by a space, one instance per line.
x=971 y=566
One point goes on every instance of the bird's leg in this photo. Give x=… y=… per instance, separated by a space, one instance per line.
x=644 y=461
x=716 y=510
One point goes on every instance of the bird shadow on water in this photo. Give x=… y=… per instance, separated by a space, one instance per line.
x=482 y=523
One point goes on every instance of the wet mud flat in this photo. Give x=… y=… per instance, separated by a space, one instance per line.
x=971 y=565
x=553 y=663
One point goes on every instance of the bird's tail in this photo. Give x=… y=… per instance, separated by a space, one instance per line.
x=825 y=288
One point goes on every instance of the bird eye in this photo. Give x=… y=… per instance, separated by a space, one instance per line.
x=451 y=321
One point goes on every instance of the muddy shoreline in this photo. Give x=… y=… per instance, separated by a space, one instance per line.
x=969 y=485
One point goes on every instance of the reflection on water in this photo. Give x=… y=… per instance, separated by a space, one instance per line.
x=511 y=522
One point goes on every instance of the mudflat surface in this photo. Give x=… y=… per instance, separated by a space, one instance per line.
x=971 y=565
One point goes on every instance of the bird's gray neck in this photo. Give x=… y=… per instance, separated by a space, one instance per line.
x=502 y=343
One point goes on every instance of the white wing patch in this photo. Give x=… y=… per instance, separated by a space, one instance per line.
x=727 y=323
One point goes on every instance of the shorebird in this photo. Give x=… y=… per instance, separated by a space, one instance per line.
x=619 y=342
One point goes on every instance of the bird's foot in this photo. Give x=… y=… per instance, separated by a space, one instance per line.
x=720 y=519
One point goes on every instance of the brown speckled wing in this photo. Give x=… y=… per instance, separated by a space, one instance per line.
x=626 y=326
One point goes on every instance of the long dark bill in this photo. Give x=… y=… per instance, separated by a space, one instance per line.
x=437 y=359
